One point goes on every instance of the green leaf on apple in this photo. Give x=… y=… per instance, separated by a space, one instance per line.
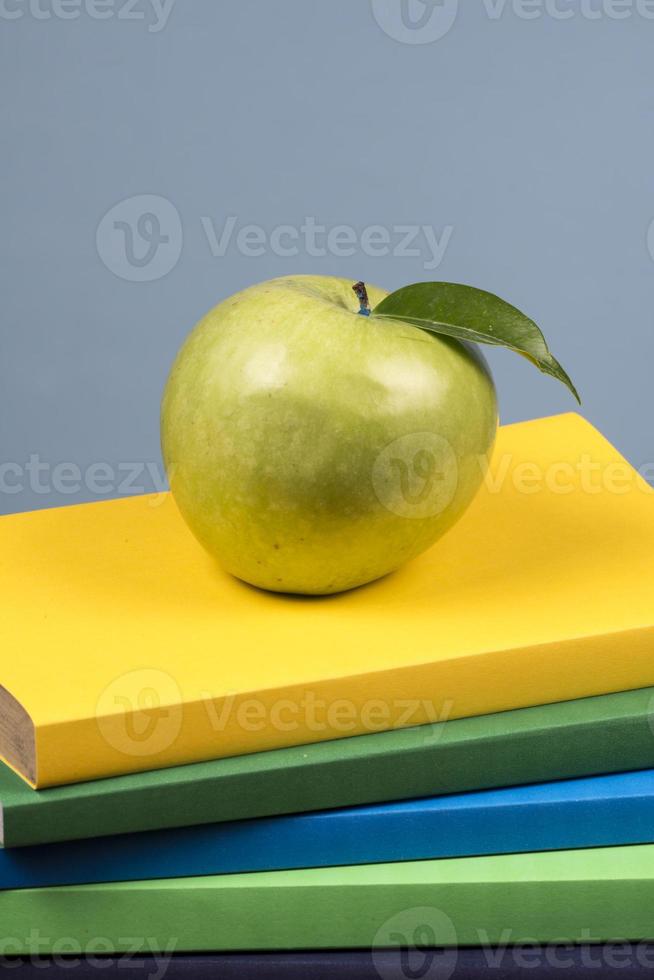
x=471 y=314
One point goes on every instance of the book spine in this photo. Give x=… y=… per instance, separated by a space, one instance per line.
x=565 y=896
x=522 y=962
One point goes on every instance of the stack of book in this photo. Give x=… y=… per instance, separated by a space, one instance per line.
x=425 y=774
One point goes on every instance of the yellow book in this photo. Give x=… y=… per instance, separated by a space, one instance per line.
x=124 y=647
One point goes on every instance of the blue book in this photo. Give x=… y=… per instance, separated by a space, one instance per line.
x=577 y=813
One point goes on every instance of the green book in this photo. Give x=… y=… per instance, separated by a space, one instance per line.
x=610 y=733
x=589 y=895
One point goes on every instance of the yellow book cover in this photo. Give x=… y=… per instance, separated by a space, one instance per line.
x=124 y=647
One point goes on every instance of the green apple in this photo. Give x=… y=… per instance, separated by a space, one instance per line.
x=311 y=449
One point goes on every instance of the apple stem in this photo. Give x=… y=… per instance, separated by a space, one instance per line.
x=362 y=295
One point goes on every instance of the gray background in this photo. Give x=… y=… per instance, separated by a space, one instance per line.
x=532 y=138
